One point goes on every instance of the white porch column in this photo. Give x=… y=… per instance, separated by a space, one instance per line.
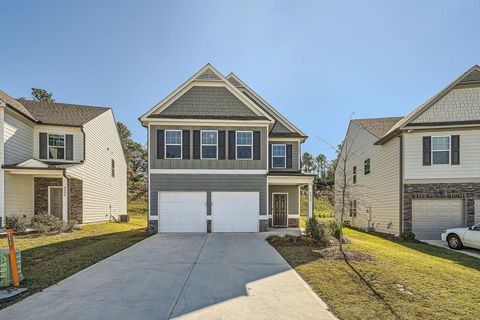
x=310 y=199
x=65 y=199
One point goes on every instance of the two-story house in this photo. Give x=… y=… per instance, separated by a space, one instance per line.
x=417 y=173
x=221 y=159
x=59 y=158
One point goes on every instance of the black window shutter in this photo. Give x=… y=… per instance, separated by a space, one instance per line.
x=270 y=156
x=196 y=144
x=186 y=144
x=69 y=146
x=256 y=145
x=427 y=151
x=289 y=156
x=160 y=144
x=455 y=150
x=221 y=145
x=43 y=145
x=231 y=145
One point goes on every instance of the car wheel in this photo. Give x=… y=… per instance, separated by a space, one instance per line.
x=454 y=242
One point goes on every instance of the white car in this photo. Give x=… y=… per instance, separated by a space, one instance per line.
x=457 y=238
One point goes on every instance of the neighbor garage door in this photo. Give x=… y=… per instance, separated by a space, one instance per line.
x=235 y=211
x=182 y=211
x=431 y=217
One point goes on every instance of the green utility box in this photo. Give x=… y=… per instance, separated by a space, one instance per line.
x=6 y=277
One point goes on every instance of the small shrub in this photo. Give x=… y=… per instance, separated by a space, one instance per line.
x=44 y=223
x=16 y=222
x=346 y=224
x=407 y=236
x=317 y=230
x=335 y=229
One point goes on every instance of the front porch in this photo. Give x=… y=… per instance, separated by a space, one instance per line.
x=31 y=191
x=284 y=198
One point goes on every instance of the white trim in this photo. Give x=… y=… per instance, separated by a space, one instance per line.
x=206 y=171
x=286 y=207
x=208 y=145
x=191 y=82
x=64 y=146
x=290 y=180
x=207 y=122
x=49 y=204
x=285 y=156
x=165 y=144
x=284 y=120
x=243 y=145
x=286 y=139
x=449 y=150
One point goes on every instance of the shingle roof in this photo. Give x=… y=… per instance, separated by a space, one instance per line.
x=62 y=113
x=377 y=126
x=15 y=104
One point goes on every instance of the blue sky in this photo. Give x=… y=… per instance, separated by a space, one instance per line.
x=315 y=61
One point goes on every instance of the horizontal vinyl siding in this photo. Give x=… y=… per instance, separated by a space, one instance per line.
x=469 y=156
x=292 y=198
x=206 y=182
x=207 y=163
x=378 y=193
x=100 y=189
x=77 y=140
x=18 y=139
x=19 y=195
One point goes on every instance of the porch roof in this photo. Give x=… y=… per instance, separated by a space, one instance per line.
x=290 y=178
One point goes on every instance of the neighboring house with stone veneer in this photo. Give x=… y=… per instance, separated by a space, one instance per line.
x=221 y=159
x=60 y=158
x=420 y=172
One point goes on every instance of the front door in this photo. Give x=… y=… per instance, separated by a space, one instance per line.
x=55 y=201
x=279 y=210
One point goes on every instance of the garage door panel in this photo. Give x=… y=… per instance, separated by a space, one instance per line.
x=235 y=211
x=430 y=217
x=182 y=211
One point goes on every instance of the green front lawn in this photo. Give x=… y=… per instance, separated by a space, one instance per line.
x=322 y=209
x=49 y=259
x=440 y=284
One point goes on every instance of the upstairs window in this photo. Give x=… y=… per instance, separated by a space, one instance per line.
x=209 y=144
x=56 y=146
x=173 y=144
x=441 y=150
x=354 y=174
x=366 y=166
x=113 y=168
x=244 y=145
x=279 y=155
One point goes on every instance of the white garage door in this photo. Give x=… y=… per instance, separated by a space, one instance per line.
x=235 y=211
x=182 y=211
x=431 y=217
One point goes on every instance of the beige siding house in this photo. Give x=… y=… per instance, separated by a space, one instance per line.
x=60 y=158
x=221 y=159
x=424 y=168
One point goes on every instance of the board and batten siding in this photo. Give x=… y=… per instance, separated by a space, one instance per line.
x=102 y=194
x=19 y=195
x=469 y=166
x=377 y=193
x=295 y=156
x=292 y=192
x=207 y=183
x=77 y=140
x=18 y=139
x=207 y=163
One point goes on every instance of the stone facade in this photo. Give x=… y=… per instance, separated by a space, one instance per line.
x=293 y=222
x=40 y=185
x=75 y=212
x=263 y=225
x=466 y=191
x=153 y=226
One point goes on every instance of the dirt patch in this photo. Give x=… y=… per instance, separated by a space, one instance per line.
x=334 y=253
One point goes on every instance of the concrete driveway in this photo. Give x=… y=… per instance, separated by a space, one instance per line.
x=190 y=276
x=468 y=251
